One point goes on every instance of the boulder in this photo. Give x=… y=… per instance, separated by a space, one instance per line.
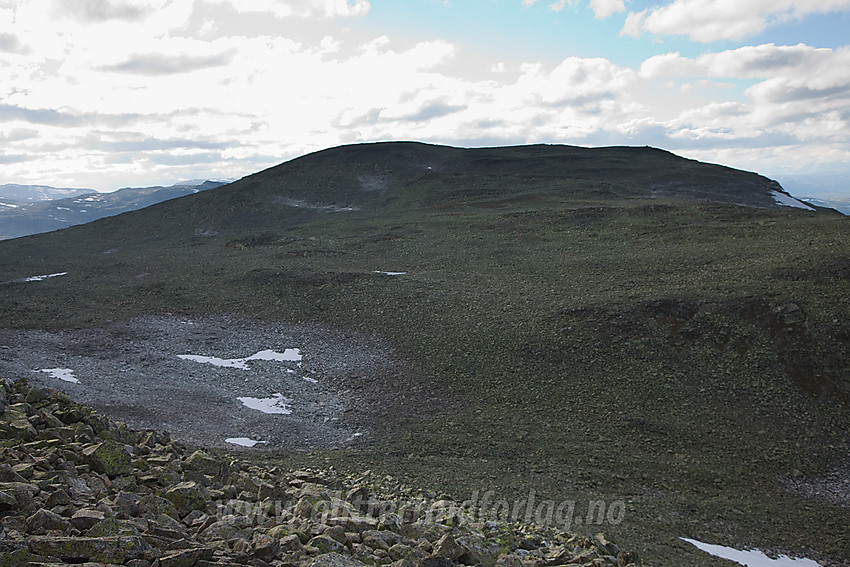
x=84 y=519
x=326 y=544
x=109 y=458
x=44 y=521
x=113 y=527
x=265 y=547
x=203 y=463
x=151 y=506
x=448 y=548
x=187 y=496
x=186 y=557
x=335 y=560
x=84 y=549
x=222 y=530
x=290 y=543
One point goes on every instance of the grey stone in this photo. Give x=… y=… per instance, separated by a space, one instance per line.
x=79 y=549
x=86 y=518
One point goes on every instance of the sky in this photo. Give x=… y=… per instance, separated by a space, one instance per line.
x=105 y=94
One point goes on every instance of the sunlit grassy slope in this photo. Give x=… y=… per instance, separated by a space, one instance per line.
x=620 y=323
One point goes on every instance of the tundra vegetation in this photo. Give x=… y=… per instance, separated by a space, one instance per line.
x=614 y=324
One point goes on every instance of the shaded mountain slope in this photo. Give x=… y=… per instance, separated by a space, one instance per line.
x=615 y=323
x=25 y=218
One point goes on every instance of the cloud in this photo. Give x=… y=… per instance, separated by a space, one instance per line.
x=104 y=98
x=601 y=8
x=104 y=10
x=184 y=158
x=800 y=97
x=713 y=20
x=605 y=8
x=633 y=25
x=61 y=118
x=160 y=64
x=433 y=110
x=757 y=61
x=302 y=8
x=11 y=158
x=148 y=144
x=9 y=113
x=11 y=44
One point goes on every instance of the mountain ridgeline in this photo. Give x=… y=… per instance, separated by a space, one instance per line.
x=31 y=209
x=616 y=324
x=419 y=175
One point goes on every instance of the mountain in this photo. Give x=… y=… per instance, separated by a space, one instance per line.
x=11 y=192
x=544 y=324
x=33 y=213
x=831 y=191
x=842 y=206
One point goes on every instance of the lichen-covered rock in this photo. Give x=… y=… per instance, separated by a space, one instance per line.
x=265 y=547
x=22 y=429
x=151 y=506
x=127 y=504
x=44 y=521
x=84 y=519
x=82 y=549
x=400 y=551
x=326 y=544
x=280 y=531
x=187 y=496
x=8 y=474
x=203 y=463
x=478 y=550
x=23 y=492
x=186 y=557
x=20 y=558
x=335 y=560
x=290 y=543
x=222 y=530
x=109 y=458
x=113 y=527
x=448 y=548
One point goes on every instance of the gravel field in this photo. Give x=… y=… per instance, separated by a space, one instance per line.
x=347 y=388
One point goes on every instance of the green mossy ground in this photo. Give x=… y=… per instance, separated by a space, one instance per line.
x=605 y=342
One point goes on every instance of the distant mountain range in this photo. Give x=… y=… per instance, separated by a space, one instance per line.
x=31 y=193
x=31 y=209
x=832 y=190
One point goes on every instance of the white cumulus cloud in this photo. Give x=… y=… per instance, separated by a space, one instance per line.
x=713 y=20
x=302 y=8
x=605 y=8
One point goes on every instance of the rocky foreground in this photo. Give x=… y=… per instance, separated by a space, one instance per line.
x=78 y=488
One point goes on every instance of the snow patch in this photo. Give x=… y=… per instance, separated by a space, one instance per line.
x=8 y=205
x=44 y=277
x=750 y=558
x=277 y=404
x=789 y=201
x=242 y=441
x=290 y=355
x=390 y=273
x=64 y=374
